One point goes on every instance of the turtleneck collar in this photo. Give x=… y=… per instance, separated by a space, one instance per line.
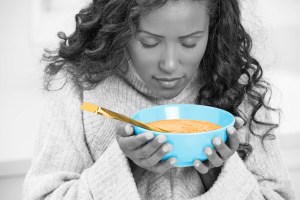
x=188 y=95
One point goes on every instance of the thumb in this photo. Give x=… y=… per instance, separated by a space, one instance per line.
x=239 y=122
x=124 y=129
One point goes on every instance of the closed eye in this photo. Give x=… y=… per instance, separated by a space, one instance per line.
x=145 y=45
x=189 y=46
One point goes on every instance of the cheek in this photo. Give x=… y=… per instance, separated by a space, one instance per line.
x=141 y=58
x=192 y=62
x=135 y=52
x=194 y=59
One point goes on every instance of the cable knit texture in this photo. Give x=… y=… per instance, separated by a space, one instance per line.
x=78 y=157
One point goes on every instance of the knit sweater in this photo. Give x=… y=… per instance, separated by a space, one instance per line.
x=78 y=157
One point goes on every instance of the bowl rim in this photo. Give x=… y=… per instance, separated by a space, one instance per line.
x=180 y=133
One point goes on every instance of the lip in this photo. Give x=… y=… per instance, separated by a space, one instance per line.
x=168 y=82
x=168 y=79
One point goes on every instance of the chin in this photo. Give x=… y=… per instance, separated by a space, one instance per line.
x=168 y=94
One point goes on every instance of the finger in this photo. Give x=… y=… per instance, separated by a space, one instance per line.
x=164 y=166
x=135 y=141
x=239 y=123
x=124 y=129
x=157 y=156
x=148 y=149
x=213 y=158
x=200 y=167
x=223 y=150
x=233 y=138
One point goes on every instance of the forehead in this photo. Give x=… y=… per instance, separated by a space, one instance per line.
x=176 y=18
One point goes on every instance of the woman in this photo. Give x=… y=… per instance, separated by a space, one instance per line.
x=127 y=55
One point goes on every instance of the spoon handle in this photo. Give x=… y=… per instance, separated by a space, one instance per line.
x=108 y=113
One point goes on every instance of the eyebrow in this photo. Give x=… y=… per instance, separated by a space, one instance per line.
x=160 y=36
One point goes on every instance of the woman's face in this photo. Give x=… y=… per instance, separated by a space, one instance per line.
x=168 y=46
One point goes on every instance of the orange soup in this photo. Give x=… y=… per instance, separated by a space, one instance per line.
x=185 y=126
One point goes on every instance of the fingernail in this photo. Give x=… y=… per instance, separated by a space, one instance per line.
x=217 y=141
x=161 y=139
x=241 y=121
x=208 y=151
x=172 y=161
x=196 y=163
x=149 y=135
x=166 y=148
x=230 y=130
x=128 y=129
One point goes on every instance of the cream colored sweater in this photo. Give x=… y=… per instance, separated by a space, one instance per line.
x=78 y=157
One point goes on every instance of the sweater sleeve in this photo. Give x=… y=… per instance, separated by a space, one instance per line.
x=262 y=176
x=62 y=167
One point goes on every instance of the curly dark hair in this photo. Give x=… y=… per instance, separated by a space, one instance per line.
x=97 y=48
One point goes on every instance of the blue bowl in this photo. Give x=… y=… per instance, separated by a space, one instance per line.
x=187 y=147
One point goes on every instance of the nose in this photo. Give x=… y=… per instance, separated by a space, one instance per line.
x=169 y=61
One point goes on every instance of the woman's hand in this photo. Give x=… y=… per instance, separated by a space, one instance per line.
x=210 y=169
x=144 y=150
